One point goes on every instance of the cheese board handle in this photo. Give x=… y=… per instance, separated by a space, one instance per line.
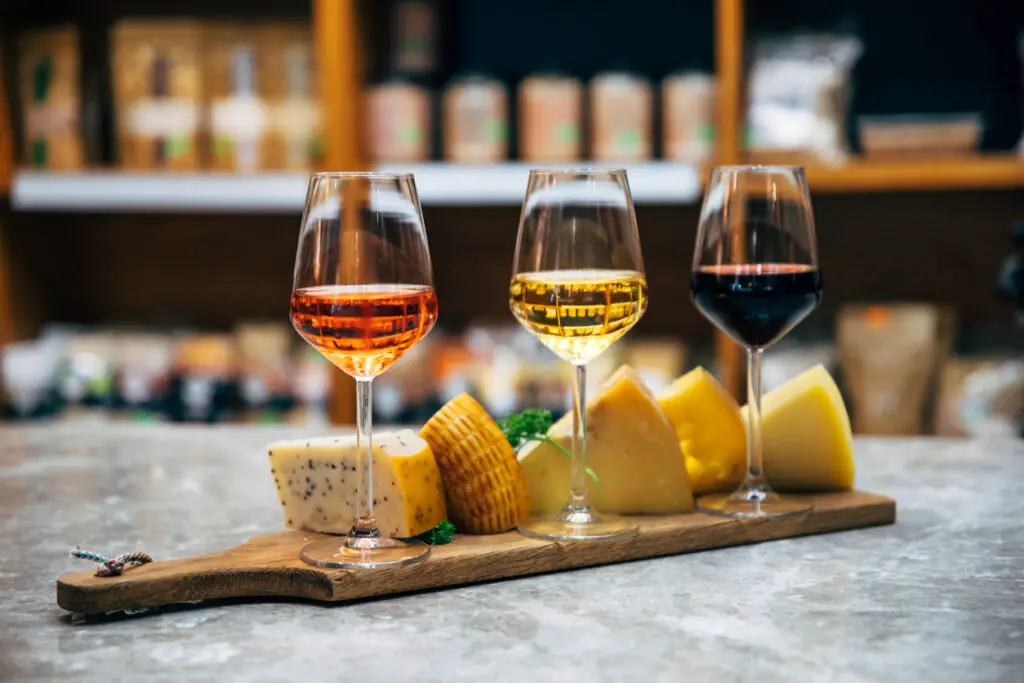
x=261 y=567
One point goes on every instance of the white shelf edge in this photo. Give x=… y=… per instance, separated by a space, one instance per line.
x=444 y=184
x=439 y=184
x=159 y=192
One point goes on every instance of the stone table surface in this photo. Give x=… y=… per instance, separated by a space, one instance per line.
x=937 y=597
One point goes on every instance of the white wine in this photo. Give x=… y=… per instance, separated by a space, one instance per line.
x=578 y=313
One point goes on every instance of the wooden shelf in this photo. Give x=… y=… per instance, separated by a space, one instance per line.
x=896 y=175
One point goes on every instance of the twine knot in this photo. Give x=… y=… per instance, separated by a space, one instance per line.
x=114 y=566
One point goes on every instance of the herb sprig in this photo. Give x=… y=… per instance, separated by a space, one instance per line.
x=441 y=534
x=532 y=425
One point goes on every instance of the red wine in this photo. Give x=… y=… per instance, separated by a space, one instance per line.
x=757 y=303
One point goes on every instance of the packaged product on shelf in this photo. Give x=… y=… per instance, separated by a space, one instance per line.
x=798 y=94
x=688 y=116
x=203 y=386
x=550 y=116
x=414 y=39
x=887 y=355
x=238 y=116
x=948 y=134
x=398 y=113
x=141 y=375
x=657 y=361
x=621 y=117
x=980 y=397
x=311 y=386
x=475 y=120
x=265 y=369
x=288 y=83
x=29 y=372
x=50 y=77
x=157 y=93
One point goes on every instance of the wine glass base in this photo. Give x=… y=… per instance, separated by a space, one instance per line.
x=578 y=524
x=748 y=503
x=346 y=553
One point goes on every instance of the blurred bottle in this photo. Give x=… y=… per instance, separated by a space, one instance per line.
x=203 y=385
x=414 y=38
x=238 y=113
x=29 y=372
x=85 y=380
x=1011 y=274
x=157 y=76
x=265 y=369
x=311 y=386
x=141 y=377
x=50 y=69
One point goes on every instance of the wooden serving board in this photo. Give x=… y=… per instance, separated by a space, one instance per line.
x=269 y=565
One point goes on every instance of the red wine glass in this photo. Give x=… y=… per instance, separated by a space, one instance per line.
x=755 y=277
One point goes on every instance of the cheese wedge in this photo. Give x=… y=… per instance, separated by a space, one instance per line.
x=316 y=483
x=807 y=440
x=710 y=430
x=483 y=482
x=631 y=447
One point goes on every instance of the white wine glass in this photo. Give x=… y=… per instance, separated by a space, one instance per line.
x=578 y=286
x=363 y=295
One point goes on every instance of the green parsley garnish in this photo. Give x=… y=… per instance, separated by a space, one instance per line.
x=441 y=534
x=532 y=425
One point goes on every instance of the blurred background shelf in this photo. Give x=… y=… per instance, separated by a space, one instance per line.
x=923 y=173
x=115 y=191
x=925 y=106
x=442 y=184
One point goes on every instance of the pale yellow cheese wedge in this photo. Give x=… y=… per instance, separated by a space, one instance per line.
x=316 y=483
x=808 y=443
x=631 y=447
x=711 y=432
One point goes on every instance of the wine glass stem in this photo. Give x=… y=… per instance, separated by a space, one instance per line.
x=755 y=471
x=578 y=475
x=366 y=525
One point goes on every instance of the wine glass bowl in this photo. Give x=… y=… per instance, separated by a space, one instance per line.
x=755 y=277
x=578 y=286
x=363 y=295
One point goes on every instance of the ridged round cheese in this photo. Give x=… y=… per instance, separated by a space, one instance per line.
x=483 y=482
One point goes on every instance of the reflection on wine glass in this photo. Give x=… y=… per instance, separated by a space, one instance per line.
x=362 y=296
x=578 y=285
x=755 y=276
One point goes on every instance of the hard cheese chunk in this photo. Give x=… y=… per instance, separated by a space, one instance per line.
x=316 y=483
x=808 y=444
x=710 y=430
x=631 y=447
x=486 y=492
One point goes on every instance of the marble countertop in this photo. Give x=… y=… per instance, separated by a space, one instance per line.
x=937 y=597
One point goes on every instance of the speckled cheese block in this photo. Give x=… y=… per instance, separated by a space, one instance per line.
x=316 y=483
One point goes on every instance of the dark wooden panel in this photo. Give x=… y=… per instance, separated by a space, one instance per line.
x=214 y=270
